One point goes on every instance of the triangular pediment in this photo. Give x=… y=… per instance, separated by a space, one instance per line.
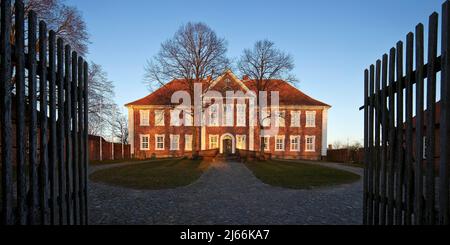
x=228 y=82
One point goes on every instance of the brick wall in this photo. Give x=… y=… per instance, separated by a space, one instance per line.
x=167 y=130
x=94 y=150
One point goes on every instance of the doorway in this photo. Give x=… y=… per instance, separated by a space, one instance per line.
x=228 y=146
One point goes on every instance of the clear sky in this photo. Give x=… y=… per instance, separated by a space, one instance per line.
x=332 y=41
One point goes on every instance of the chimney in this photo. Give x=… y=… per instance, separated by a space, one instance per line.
x=245 y=77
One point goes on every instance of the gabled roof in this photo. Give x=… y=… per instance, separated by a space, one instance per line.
x=289 y=95
x=162 y=96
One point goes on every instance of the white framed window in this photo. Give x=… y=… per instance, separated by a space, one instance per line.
x=188 y=142
x=295 y=143
x=265 y=117
x=241 y=142
x=279 y=143
x=145 y=142
x=310 y=143
x=295 y=119
x=310 y=119
x=241 y=115
x=265 y=142
x=213 y=142
x=213 y=115
x=188 y=118
x=159 y=118
x=175 y=120
x=174 y=142
x=281 y=119
x=228 y=115
x=160 y=142
x=144 y=117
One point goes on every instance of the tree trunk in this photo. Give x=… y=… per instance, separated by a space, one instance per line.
x=196 y=143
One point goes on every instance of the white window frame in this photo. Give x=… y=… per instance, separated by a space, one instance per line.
x=163 y=142
x=142 y=136
x=265 y=117
x=144 y=114
x=283 y=143
x=188 y=138
x=241 y=115
x=228 y=115
x=172 y=141
x=188 y=118
x=281 y=119
x=241 y=142
x=309 y=122
x=308 y=137
x=175 y=120
x=213 y=116
x=298 y=138
x=160 y=113
x=296 y=119
x=266 y=146
x=211 y=146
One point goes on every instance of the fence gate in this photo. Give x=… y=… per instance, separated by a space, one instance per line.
x=407 y=146
x=43 y=123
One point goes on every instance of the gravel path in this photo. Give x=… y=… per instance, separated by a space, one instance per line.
x=228 y=194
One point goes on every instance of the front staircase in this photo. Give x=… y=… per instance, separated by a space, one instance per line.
x=226 y=158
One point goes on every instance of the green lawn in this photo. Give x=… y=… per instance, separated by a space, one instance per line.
x=154 y=175
x=108 y=162
x=297 y=175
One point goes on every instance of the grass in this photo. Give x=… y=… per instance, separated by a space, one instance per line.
x=297 y=175
x=155 y=175
x=111 y=162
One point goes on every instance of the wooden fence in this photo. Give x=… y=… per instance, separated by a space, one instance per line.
x=48 y=183
x=345 y=155
x=398 y=188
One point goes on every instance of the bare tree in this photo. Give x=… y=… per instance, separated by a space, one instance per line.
x=264 y=63
x=101 y=104
x=119 y=126
x=65 y=20
x=337 y=145
x=195 y=54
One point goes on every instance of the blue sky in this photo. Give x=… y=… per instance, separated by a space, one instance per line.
x=331 y=41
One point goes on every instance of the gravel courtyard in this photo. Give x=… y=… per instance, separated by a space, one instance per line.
x=227 y=194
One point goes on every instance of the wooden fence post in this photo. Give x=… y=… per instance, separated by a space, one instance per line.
x=20 y=112
x=444 y=215
x=431 y=99
x=6 y=121
x=43 y=123
x=419 y=200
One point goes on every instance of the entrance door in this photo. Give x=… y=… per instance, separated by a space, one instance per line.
x=227 y=147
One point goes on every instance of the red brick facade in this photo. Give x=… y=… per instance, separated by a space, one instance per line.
x=295 y=139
